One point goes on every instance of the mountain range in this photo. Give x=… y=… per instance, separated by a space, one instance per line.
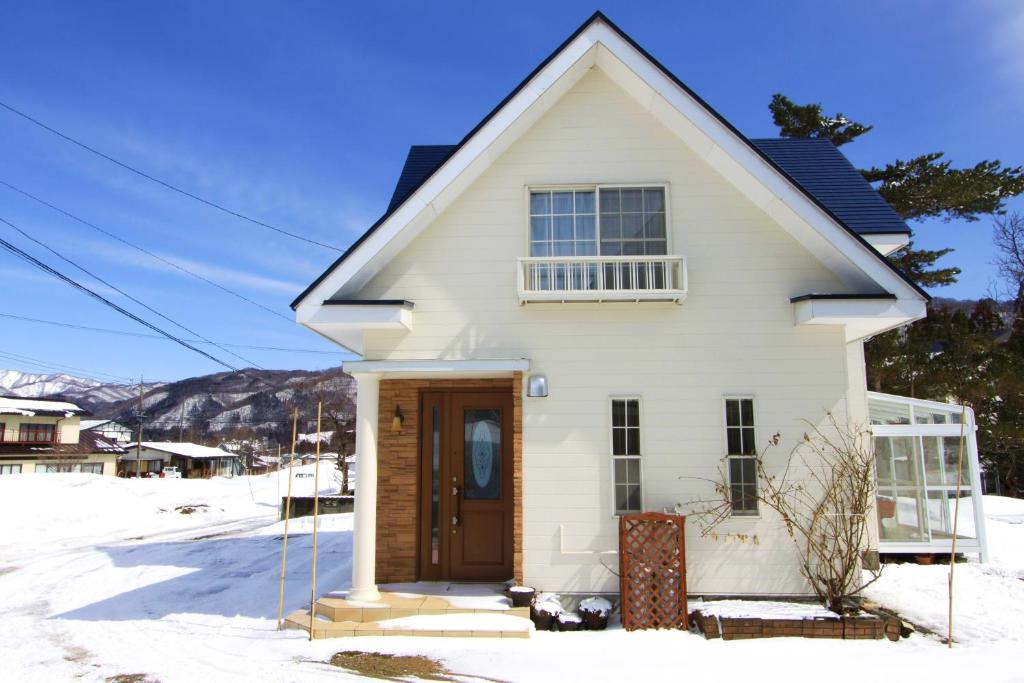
x=247 y=401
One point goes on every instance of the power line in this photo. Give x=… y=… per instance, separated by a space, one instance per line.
x=142 y=249
x=121 y=291
x=143 y=335
x=164 y=183
x=85 y=290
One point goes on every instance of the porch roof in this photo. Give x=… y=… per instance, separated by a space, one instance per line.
x=432 y=368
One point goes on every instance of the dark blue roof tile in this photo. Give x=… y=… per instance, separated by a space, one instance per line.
x=821 y=169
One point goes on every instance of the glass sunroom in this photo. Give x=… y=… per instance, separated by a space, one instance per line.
x=917 y=449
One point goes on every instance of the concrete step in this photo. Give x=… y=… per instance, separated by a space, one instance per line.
x=482 y=624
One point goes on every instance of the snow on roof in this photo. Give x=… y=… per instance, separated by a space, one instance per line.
x=184 y=449
x=90 y=424
x=15 y=405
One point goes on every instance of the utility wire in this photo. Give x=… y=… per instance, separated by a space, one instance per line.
x=85 y=290
x=121 y=291
x=126 y=333
x=142 y=249
x=164 y=183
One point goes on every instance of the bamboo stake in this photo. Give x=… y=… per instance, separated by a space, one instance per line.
x=956 y=520
x=287 y=514
x=316 y=508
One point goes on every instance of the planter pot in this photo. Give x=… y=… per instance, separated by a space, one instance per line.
x=543 y=621
x=569 y=622
x=924 y=559
x=521 y=597
x=594 y=621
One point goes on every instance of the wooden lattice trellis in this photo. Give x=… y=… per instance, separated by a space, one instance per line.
x=652 y=571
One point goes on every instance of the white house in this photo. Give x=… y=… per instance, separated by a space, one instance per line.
x=39 y=435
x=109 y=429
x=587 y=303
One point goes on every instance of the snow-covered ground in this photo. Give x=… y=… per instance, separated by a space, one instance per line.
x=101 y=576
x=988 y=599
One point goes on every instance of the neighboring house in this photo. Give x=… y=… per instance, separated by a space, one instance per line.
x=38 y=435
x=192 y=460
x=597 y=298
x=110 y=429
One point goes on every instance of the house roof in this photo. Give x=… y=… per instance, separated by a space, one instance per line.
x=93 y=424
x=815 y=164
x=183 y=449
x=88 y=442
x=94 y=442
x=826 y=174
x=28 y=407
x=437 y=156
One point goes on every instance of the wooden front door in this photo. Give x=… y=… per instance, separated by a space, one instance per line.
x=466 y=486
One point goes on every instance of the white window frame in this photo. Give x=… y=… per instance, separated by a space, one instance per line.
x=9 y=468
x=597 y=187
x=756 y=514
x=639 y=458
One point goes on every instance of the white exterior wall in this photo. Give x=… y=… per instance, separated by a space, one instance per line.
x=735 y=334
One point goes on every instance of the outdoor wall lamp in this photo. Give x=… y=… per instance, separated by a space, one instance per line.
x=537 y=386
x=396 y=421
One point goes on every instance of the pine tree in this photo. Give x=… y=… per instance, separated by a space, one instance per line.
x=923 y=187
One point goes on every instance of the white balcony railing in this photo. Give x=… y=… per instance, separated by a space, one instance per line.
x=601 y=278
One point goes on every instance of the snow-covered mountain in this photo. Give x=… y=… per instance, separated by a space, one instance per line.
x=260 y=401
x=84 y=389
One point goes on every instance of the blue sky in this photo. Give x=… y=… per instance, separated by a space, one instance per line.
x=300 y=114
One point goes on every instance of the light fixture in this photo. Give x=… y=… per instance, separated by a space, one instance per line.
x=537 y=386
x=396 y=421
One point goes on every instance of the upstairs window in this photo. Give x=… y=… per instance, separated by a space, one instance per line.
x=598 y=221
x=39 y=433
x=742 y=452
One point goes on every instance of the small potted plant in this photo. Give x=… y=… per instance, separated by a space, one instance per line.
x=595 y=613
x=545 y=610
x=569 y=621
x=522 y=596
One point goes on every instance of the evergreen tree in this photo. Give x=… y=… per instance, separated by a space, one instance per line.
x=808 y=121
x=923 y=187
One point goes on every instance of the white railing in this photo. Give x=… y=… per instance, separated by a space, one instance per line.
x=601 y=278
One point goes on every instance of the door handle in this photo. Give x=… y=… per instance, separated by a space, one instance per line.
x=458 y=507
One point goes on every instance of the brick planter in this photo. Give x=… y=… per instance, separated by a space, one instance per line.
x=848 y=628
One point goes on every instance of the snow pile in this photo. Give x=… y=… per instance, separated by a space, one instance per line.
x=598 y=606
x=988 y=599
x=761 y=609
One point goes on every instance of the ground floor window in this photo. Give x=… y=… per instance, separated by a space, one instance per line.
x=742 y=455
x=10 y=469
x=625 y=447
x=88 y=467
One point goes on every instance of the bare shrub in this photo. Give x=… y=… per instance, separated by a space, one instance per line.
x=823 y=493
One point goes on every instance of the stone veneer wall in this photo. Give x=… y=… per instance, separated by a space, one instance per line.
x=398 y=472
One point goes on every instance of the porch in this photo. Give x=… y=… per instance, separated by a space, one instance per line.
x=437 y=609
x=439 y=489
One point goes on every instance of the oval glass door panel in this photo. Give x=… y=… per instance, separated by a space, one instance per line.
x=482 y=455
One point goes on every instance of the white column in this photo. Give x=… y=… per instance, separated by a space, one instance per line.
x=364 y=541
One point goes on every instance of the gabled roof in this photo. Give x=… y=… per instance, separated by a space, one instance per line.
x=528 y=91
x=16 y=405
x=827 y=175
x=184 y=449
x=815 y=164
